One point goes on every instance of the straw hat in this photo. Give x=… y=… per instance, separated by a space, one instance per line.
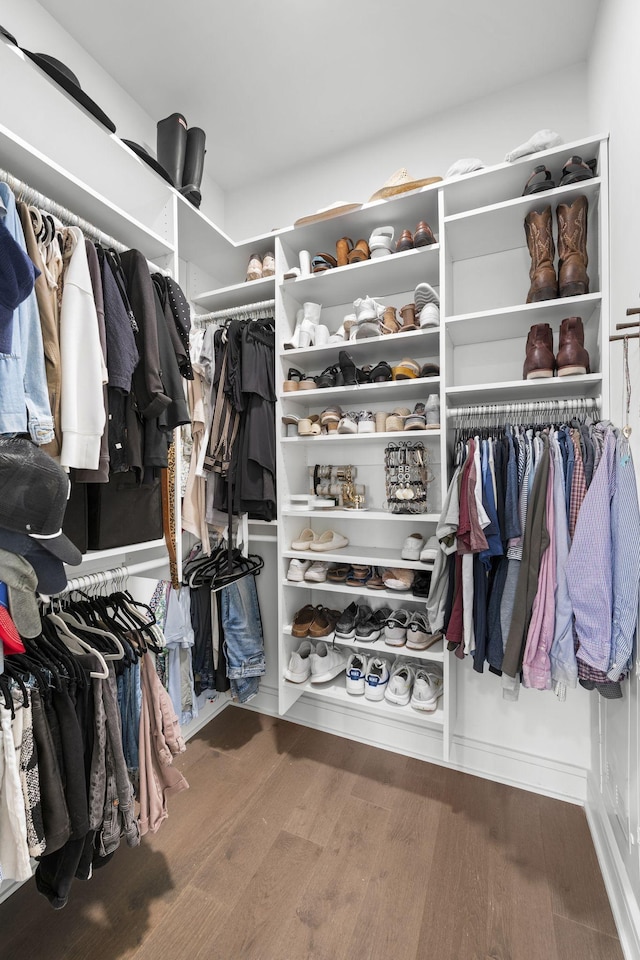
x=401 y=182
x=326 y=213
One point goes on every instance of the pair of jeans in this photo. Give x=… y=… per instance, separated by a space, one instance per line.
x=243 y=638
x=130 y=702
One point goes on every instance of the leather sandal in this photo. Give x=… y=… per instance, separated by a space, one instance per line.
x=360 y=252
x=406 y=370
x=338 y=573
x=539 y=181
x=380 y=373
x=322 y=262
x=344 y=246
x=575 y=169
x=293 y=380
x=429 y=370
x=389 y=323
x=408 y=314
x=330 y=418
x=328 y=377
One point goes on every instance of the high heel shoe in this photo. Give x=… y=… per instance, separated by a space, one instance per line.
x=350 y=372
x=307 y=320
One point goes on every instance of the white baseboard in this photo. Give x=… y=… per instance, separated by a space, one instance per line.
x=624 y=899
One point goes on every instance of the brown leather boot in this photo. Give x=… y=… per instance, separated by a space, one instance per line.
x=544 y=284
x=572 y=248
x=539 y=358
x=572 y=357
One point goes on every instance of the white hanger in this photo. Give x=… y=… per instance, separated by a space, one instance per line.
x=73 y=642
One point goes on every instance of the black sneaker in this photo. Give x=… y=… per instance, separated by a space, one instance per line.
x=421 y=583
x=346 y=625
x=367 y=628
x=381 y=615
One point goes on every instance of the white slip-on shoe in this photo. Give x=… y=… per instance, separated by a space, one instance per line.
x=430 y=550
x=297 y=570
x=304 y=539
x=299 y=668
x=427 y=688
x=327 y=662
x=376 y=679
x=356 y=672
x=400 y=683
x=317 y=571
x=329 y=540
x=395 y=628
x=412 y=546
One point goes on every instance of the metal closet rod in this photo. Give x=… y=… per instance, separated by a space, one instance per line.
x=251 y=309
x=101 y=577
x=29 y=194
x=583 y=405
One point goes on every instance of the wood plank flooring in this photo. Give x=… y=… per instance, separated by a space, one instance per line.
x=292 y=844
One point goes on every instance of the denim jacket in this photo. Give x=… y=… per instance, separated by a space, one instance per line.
x=23 y=381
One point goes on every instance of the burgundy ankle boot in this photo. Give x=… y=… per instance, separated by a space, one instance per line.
x=539 y=359
x=572 y=357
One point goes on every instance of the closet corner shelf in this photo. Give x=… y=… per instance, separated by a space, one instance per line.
x=340 y=514
x=434 y=653
x=382 y=277
x=237 y=294
x=371 y=556
x=346 y=437
x=500 y=226
x=355 y=593
x=335 y=692
x=553 y=388
x=369 y=349
x=118 y=552
x=369 y=392
x=505 y=323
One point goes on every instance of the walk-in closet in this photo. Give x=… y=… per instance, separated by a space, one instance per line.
x=319 y=513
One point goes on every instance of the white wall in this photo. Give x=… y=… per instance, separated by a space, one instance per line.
x=36 y=30
x=485 y=128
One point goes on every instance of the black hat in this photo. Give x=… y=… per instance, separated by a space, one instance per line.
x=34 y=491
x=146 y=156
x=59 y=72
x=52 y=577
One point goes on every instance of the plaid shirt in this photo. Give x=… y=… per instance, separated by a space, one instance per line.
x=578 y=484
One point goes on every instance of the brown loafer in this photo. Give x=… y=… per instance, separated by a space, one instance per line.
x=324 y=624
x=405 y=242
x=303 y=620
x=423 y=236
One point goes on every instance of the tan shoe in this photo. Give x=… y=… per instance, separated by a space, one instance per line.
x=254 y=267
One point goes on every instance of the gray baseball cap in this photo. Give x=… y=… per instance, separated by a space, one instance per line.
x=21 y=581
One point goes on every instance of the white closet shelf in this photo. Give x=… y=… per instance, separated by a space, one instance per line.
x=237 y=294
x=330 y=513
x=379 y=647
x=504 y=180
x=553 y=388
x=383 y=276
x=335 y=691
x=370 y=349
x=500 y=226
x=397 y=390
x=400 y=597
x=370 y=556
x=345 y=437
x=49 y=178
x=511 y=322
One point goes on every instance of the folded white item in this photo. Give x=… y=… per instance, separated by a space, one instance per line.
x=540 y=140
x=466 y=165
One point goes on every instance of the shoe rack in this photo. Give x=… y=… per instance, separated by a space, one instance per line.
x=480 y=268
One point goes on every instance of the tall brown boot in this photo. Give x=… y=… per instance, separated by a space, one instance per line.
x=539 y=358
x=572 y=248
x=537 y=227
x=572 y=357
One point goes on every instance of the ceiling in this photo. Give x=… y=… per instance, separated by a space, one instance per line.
x=280 y=83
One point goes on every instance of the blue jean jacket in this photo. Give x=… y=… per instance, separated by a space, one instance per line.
x=23 y=380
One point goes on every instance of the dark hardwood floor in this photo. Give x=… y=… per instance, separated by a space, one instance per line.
x=294 y=844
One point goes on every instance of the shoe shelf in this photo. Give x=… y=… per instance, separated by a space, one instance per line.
x=550 y=388
x=500 y=226
x=396 y=390
x=494 y=184
x=372 y=556
x=347 y=437
x=237 y=294
x=337 y=514
x=423 y=342
x=379 y=647
x=510 y=322
x=403 y=596
x=335 y=691
x=382 y=276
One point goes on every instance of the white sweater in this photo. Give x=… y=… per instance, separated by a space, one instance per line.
x=82 y=365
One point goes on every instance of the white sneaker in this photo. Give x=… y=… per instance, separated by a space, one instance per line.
x=400 y=683
x=427 y=304
x=297 y=570
x=367 y=308
x=327 y=662
x=427 y=688
x=432 y=411
x=412 y=547
x=376 y=679
x=356 y=673
x=305 y=538
x=366 y=422
x=317 y=571
x=349 y=423
x=430 y=550
x=329 y=540
x=299 y=668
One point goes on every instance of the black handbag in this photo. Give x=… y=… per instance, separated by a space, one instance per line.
x=124 y=511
